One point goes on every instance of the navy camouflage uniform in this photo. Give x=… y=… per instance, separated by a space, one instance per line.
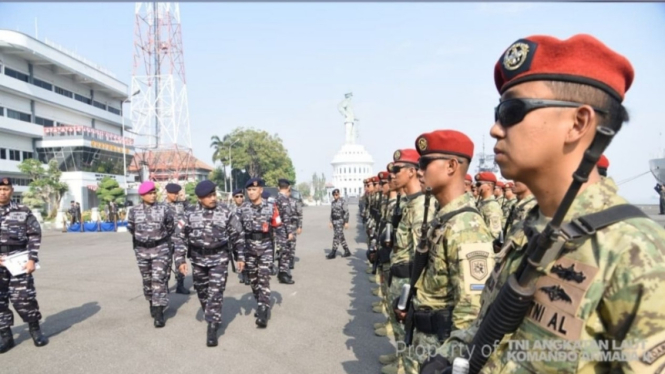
x=339 y=216
x=19 y=232
x=178 y=210
x=286 y=214
x=296 y=221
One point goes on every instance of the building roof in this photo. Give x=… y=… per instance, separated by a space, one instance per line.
x=167 y=160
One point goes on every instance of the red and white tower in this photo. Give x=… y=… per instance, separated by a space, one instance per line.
x=159 y=109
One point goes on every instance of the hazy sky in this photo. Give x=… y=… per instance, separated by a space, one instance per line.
x=412 y=68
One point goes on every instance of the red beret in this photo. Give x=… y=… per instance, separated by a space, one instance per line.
x=499 y=184
x=383 y=175
x=375 y=179
x=485 y=176
x=603 y=162
x=445 y=141
x=389 y=167
x=509 y=185
x=406 y=155
x=580 y=59
x=468 y=178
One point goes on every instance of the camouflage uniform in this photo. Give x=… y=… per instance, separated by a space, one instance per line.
x=178 y=211
x=520 y=210
x=209 y=235
x=506 y=207
x=385 y=267
x=257 y=225
x=152 y=227
x=448 y=291
x=491 y=212
x=339 y=216
x=287 y=214
x=296 y=206
x=19 y=232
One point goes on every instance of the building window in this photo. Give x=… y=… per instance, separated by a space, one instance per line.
x=14 y=155
x=3 y=154
x=25 y=117
x=82 y=99
x=27 y=155
x=44 y=122
x=42 y=84
x=64 y=92
x=16 y=74
x=2 y=111
x=113 y=110
x=16 y=199
x=99 y=105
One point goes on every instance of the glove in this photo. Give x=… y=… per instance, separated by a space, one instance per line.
x=436 y=365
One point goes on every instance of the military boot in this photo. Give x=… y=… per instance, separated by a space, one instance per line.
x=292 y=263
x=37 y=337
x=262 y=316
x=284 y=278
x=346 y=253
x=331 y=255
x=153 y=310
x=241 y=277
x=159 y=317
x=388 y=359
x=6 y=340
x=212 y=334
x=180 y=288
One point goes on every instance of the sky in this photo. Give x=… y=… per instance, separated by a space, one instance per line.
x=412 y=68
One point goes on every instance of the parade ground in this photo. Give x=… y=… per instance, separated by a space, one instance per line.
x=97 y=320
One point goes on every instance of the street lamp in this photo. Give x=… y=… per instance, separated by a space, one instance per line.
x=124 y=150
x=231 y=167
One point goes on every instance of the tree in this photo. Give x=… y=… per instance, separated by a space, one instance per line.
x=254 y=153
x=319 y=184
x=109 y=190
x=189 y=191
x=218 y=176
x=304 y=190
x=45 y=185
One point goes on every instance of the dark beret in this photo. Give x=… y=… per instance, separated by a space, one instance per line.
x=285 y=181
x=255 y=182
x=237 y=191
x=173 y=188
x=265 y=194
x=205 y=188
x=5 y=181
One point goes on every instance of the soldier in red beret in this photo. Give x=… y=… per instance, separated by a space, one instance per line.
x=468 y=183
x=510 y=200
x=558 y=97
x=500 y=198
x=487 y=204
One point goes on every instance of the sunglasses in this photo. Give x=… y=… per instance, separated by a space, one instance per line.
x=397 y=168
x=241 y=196
x=424 y=162
x=512 y=111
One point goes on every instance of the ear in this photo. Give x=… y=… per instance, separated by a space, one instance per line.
x=584 y=121
x=452 y=166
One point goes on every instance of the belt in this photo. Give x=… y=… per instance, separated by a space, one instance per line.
x=9 y=248
x=434 y=322
x=258 y=235
x=152 y=243
x=402 y=270
x=210 y=250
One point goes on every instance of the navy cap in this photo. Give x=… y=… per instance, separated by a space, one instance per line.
x=237 y=191
x=5 y=181
x=173 y=188
x=265 y=194
x=205 y=188
x=255 y=182
x=285 y=181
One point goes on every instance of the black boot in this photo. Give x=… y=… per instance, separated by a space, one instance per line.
x=262 y=316
x=37 y=337
x=241 y=277
x=273 y=269
x=159 y=317
x=331 y=255
x=292 y=263
x=6 y=340
x=212 y=334
x=180 y=288
x=153 y=310
x=346 y=253
x=284 y=278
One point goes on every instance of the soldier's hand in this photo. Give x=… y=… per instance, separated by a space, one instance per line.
x=290 y=237
x=330 y=225
x=299 y=231
x=346 y=226
x=183 y=269
x=240 y=266
x=29 y=266
x=400 y=315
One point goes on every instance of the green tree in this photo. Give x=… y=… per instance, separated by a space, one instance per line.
x=304 y=190
x=109 y=190
x=45 y=185
x=189 y=191
x=319 y=184
x=254 y=153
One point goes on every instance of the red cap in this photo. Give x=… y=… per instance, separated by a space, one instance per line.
x=580 y=59
x=509 y=185
x=445 y=141
x=486 y=176
x=383 y=175
x=499 y=184
x=375 y=179
x=406 y=155
x=603 y=162
x=389 y=167
x=468 y=178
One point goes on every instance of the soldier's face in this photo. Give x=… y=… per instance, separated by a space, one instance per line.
x=172 y=197
x=150 y=197
x=467 y=185
x=509 y=193
x=209 y=201
x=519 y=188
x=498 y=191
x=403 y=174
x=238 y=199
x=6 y=194
x=254 y=193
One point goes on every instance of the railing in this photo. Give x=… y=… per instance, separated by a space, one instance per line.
x=85 y=132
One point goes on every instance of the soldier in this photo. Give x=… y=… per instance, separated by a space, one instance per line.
x=238 y=199
x=152 y=224
x=178 y=211
x=602 y=165
x=459 y=256
x=510 y=199
x=20 y=233
x=468 y=185
x=339 y=221
x=289 y=221
x=259 y=219
x=488 y=206
x=660 y=189
x=498 y=193
x=603 y=287
x=296 y=206
x=209 y=233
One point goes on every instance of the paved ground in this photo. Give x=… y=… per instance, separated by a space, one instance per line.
x=97 y=320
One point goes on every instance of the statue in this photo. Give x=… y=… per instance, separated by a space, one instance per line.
x=349 y=119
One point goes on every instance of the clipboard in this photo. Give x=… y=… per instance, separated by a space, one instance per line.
x=14 y=263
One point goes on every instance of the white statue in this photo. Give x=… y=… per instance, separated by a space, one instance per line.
x=346 y=110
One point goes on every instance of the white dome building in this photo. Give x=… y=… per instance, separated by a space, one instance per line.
x=352 y=163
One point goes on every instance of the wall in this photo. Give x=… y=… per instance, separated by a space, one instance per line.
x=61 y=115
x=8 y=100
x=14 y=62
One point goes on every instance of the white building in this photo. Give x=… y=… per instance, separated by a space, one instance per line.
x=56 y=105
x=352 y=163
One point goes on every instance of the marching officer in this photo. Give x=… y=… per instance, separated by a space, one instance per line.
x=19 y=233
x=289 y=221
x=178 y=210
x=339 y=221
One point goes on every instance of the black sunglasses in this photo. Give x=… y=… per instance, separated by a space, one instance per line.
x=512 y=111
x=239 y=196
x=397 y=168
x=424 y=162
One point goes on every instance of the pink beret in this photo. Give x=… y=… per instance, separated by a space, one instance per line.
x=146 y=187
